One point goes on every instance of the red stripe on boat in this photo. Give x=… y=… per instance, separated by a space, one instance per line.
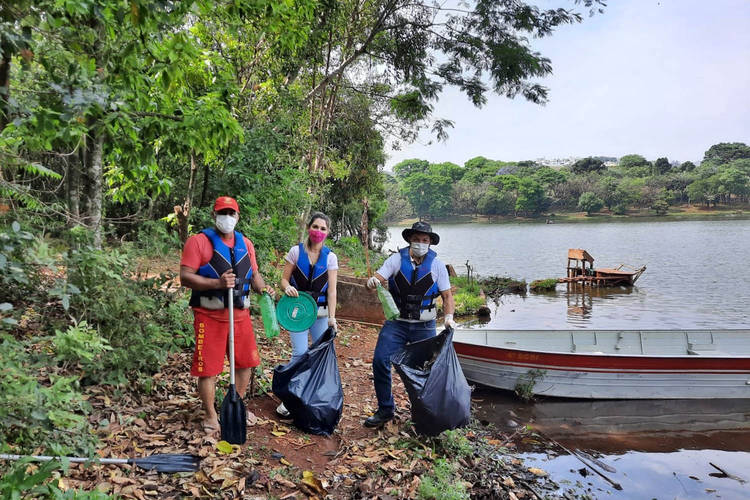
x=610 y=363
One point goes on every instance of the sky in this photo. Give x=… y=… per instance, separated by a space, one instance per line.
x=656 y=78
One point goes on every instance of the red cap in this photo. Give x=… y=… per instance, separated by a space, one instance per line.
x=223 y=202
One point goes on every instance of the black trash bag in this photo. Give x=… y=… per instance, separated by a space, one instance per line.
x=310 y=387
x=439 y=394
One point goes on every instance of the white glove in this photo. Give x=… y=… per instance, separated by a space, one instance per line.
x=332 y=323
x=373 y=282
x=291 y=291
x=448 y=322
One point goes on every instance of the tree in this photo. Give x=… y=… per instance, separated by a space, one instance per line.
x=734 y=181
x=660 y=206
x=466 y=196
x=628 y=162
x=606 y=189
x=447 y=169
x=662 y=166
x=429 y=194
x=398 y=206
x=113 y=82
x=586 y=165
x=531 y=198
x=496 y=202
x=406 y=168
x=703 y=190
x=479 y=169
x=724 y=152
x=687 y=166
x=410 y=51
x=590 y=202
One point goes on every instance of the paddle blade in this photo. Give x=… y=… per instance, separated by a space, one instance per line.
x=233 y=418
x=168 y=462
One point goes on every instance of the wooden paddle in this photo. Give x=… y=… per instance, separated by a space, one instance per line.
x=233 y=415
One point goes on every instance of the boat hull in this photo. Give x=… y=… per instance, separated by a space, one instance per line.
x=705 y=374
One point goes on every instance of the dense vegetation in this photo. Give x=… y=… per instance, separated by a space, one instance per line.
x=525 y=188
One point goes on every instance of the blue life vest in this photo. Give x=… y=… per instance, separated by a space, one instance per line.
x=413 y=288
x=312 y=279
x=223 y=259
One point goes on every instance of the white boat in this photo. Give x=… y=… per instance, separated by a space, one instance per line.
x=609 y=364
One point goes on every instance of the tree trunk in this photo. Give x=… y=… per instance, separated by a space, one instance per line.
x=183 y=212
x=4 y=89
x=94 y=205
x=204 y=191
x=74 y=191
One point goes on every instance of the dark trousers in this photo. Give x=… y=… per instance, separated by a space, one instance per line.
x=393 y=336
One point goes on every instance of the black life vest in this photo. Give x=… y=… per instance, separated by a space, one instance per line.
x=413 y=288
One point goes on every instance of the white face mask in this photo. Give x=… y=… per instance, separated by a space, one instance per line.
x=419 y=249
x=225 y=223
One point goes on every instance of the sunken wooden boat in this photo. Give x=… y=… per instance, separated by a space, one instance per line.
x=581 y=270
x=609 y=364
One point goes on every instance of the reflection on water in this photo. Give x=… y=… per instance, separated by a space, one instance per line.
x=656 y=449
x=580 y=299
x=616 y=426
x=684 y=475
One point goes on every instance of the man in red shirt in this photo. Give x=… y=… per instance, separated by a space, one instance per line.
x=213 y=261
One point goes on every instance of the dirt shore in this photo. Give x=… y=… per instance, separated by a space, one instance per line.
x=279 y=461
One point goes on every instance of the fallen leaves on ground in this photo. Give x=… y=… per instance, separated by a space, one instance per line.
x=353 y=462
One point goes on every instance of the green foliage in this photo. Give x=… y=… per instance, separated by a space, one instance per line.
x=590 y=202
x=453 y=444
x=79 y=344
x=543 y=285
x=494 y=286
x=496 y=202
x=352 y=249
x=661 y=207
x=465 y=283
x=468 y=303
x=490 y=187
x=140 y=321
x=629 y=162
x=428 y=193
x=16 y=483
x=724 y=152
x=13 y=255
x=661 y=166
x=442 y=483
x=155 y=238
x=531 y=198
x=525 y=384
x=33 y=413
x=687 y=166
x=587 y=165
x=20 y=482
x=407 y=168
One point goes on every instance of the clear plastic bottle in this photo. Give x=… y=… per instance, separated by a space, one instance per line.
x=390 y=309
x=268 y=311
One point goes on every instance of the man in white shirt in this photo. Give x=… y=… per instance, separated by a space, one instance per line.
x=416 y=277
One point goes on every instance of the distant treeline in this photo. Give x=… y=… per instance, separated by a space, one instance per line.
x=526 y=188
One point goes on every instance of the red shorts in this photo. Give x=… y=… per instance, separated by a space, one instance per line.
x=211 y=345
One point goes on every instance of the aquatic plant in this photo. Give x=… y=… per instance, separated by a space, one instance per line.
x=543 y=285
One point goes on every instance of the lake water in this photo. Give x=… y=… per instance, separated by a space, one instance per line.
x=698 y=276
